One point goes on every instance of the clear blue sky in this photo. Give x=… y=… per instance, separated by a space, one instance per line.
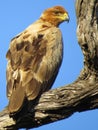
x=15 y=16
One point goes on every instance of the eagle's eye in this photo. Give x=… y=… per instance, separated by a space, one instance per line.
x=57 y=12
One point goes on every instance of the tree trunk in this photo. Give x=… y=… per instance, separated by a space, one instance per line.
x=79 y=96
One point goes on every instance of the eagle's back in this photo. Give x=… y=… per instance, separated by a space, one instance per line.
x=34 y=58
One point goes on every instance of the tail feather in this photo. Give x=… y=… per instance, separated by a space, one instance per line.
x=16 y=100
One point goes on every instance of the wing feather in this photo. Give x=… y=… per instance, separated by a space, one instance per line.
x=33 y=63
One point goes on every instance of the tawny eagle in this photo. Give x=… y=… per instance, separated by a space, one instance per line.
x=34 y=58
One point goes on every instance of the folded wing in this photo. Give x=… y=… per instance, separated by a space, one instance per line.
x=33 y=63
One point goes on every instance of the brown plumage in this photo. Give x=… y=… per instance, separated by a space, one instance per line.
x=34 y=58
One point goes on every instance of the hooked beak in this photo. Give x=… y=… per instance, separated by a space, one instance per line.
x=66 y=17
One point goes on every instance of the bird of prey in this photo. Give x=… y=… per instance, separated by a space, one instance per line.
x=34 y=58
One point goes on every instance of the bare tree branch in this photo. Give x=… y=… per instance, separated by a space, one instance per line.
x=79 y=96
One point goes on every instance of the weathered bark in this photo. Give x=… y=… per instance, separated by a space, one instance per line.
x=79 y=96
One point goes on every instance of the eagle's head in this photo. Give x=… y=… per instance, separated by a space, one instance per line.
x=55 y=15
